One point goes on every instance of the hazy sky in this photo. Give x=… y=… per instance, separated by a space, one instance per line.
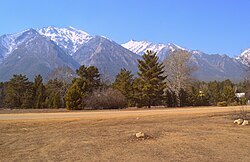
x=212 y=26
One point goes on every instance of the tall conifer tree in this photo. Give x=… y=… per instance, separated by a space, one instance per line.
x=83 y=86
x=39 y=92
x=123 y=83
x=151 y=78
x=18 y=92
x=55 y=90
x=1 y=94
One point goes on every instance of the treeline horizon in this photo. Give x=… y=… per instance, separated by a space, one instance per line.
x=167 y=84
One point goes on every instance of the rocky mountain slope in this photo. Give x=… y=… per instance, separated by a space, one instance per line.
x=108 y=56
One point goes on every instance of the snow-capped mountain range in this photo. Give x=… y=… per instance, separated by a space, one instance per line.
x=47 y=48
x=69 y=39
x=139 y=47
x=210 y=66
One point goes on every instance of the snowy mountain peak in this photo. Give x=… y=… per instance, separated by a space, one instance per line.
x=244 y=57
x=196 y=52
x=246 y=52
x=70 y=39
x=77 y=31
x=179 y=47
x=139 y=47
x=10 y=42
x=162 y=50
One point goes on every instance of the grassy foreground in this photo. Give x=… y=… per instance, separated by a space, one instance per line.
x=208 y=135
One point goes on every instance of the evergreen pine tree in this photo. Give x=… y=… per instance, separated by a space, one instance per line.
x=54 y=90
x=47 y=102
x=1 y=94
x=83 y=86
x=183 y=98
x=151 y=79
x=170 y=98
x=123 y=83
x=137 y=98
x=56 y=100
x=228 y=93
x=28 y=98
x=91 y=76
x=214 y=91
x=39 y=92
x=75 y=96
x=18 y=92
x=198 y=94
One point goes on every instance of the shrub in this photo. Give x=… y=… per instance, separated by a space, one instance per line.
x=235 y=103
x=243 y=101
x=223 y=103
x=106 y=99
x=241 y=113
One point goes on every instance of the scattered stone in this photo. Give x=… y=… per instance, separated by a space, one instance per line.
x=140 y=135
x=238 y=121
x=245 y=122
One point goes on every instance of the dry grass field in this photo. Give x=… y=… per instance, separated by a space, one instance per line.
x=188 y=134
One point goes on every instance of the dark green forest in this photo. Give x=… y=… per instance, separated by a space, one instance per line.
x=152 y=86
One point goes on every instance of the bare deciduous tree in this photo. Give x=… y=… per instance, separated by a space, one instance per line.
x=178 y=69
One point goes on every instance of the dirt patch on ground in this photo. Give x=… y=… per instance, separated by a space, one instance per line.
x=173 y=137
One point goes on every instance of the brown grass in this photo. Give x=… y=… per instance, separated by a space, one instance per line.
x=174 y=136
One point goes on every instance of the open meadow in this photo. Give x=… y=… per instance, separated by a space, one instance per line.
x=181 y=134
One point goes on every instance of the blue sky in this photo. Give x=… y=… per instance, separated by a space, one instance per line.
x=212 y=26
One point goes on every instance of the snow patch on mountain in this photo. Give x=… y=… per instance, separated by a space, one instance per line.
x=70 y=39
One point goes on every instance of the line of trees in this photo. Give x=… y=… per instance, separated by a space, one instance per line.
x=19 y=92
x=169 y=83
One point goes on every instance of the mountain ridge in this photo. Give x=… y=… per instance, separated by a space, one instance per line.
x=109 y=56
x=210 y=66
